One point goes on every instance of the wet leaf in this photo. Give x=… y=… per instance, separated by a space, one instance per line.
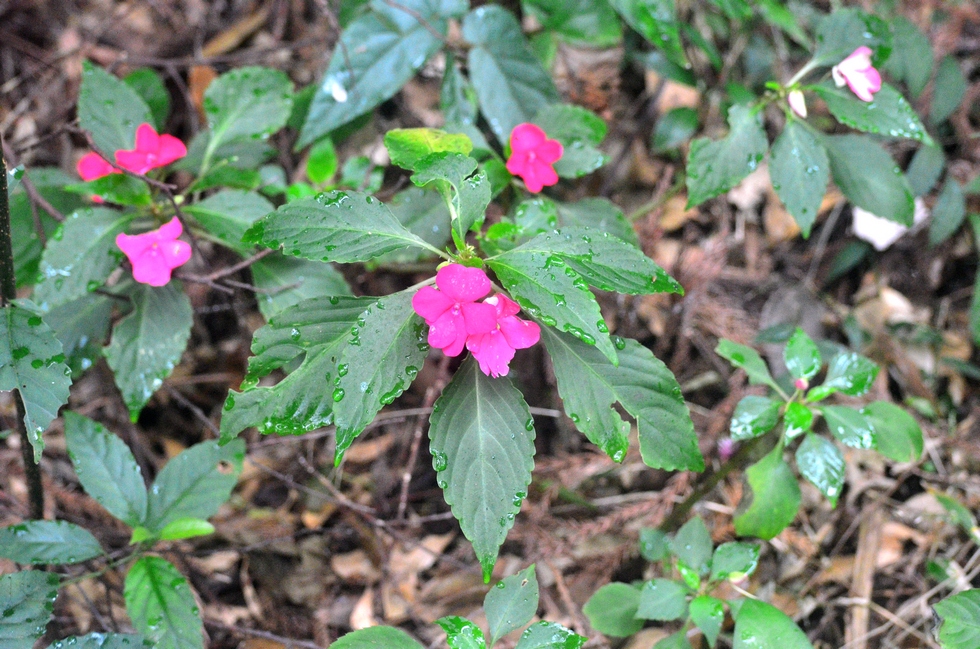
x=799 y=169
x=612 y=610
x=161 y=605
x=714 y=167
x=897 y=434
x=29 y=597
x=961 y=620
x=869 y=178
x=511 y=603
x=54 y=542
x=662 y=600
x=734 y=561
x=820 y=461
x=763 y=626
x=110 y=110
x=754 y=416
x=228 y=214
x=773 y=499
x=887 y=114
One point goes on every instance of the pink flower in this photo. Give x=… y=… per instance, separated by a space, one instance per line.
x=495 y=349
x=92 y=166
x=152 y=151
x=532 y=155
x=797 y=102
x=859 y=75
x=156 y=253
x=452 y=311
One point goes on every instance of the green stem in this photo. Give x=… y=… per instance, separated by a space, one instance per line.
x=802 y=72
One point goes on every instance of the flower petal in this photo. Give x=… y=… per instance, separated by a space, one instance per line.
x=92 y=166
x=147 y=140
x=520 y=334
x=133 y=245
x=549 y=151
x=430 y=304
x=443 y=331
x=461 y=283
x=170 y=230
x=151 y=268
x=135 y=161
x=175 y=253
x=479 y=317
x=493 y=354
x=504 y=305
x=526 y=136
x=170 y=149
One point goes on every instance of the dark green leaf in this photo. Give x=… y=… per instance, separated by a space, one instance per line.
x=763 y=626
x=407 y=147
x=511 y=603
x=82 y=326
x=849 y=426
x=467 y=194
x=653 y=544
x=385 y=349
x=897 y=434
x=580 y=131
x=598 y=213
x=590 y=23
x=50 y=184
x=106 y=468
x=243 y=155
x=692 y=545
x=708 y=614
x=797 y=419
x=844 y=30
x=657 y=21
x=802 y=356
x=911 y=60
x=228 y=214
x=662 y=600
x=426 y=215
x=926 y=167
x=110 y=110
x=747 y=359
x=461 y=633
x=949 y=88
x=195 y=483
x=54 y=542
x=612 y=610
x=32 y=362
x=457 y=99
x=949 y=212
x=101 y=641
x=482 y=442
x=821 y=462
x=376 y=637
x=161 y=605
x=799 y=169
x=117 y=188
x=510 y=83
x=228 y=177
x=772 y=500
x=961 y=620
x=675 y=128
x=249 y=103
x=754 y=416
x=715 y=167
x=849 y=373
x=589 y=385
x=148 y=343
x=148 y=85
x=848 y=259
x=869 y=177
x=888 y=114
x=286 y=281
x=27 y=600
x=549 y=635
x=734 y=561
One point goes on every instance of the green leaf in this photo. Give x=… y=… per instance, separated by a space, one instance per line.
x=801 y=355
x=228 y=214
x=925 y=169
x=708 y=613
x=773 y=499
x=848 y=373
x=754 y=416
x=100 y=641
x=117 y=188
x=693 y=546
x=337 y=226
x=657 y=21
x=662 y=600
x=797 y=419
x=591 y=23
x=674 y=129
x=949 y=212
x=715 y=167
x=226 y=176
x=148 y=85
x=734 y=561
x=27 y=601
x=54 y=542
x=482 y=442
x=510 y=83
x=849 y=426
x=80 y=256
x=51 y=185
x=653 y=544
x=321 y=164
x=675 y=641
x=462 y=634
x=161 y=605
x=110 y=110
x=82 y=326
x=897 y=434
x=911 y=60
x=249 y=103
x=242 y=155
x=948 y=89
x=598 y=213
x=549 y=635
x=407 y=147
x=386 y=348
x=820 y=461
x=286 y=281
x=747 y=359
x=194 y=484
x=457 y=99
x=589 y=385
x=888 y=114
x=148 y=343
x=844 y=30
x=612 y=610
x=106 y=468
x=580 y=131
x=800 y=169
x=186 y=528
x=465 y=193
x=511 y=603
x=869 y=177
x=376 y=637
x=32 y=362
x=763 y=626
x=426 y=215
x=961 y=620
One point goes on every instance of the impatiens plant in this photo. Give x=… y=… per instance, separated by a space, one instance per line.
x=153 y=255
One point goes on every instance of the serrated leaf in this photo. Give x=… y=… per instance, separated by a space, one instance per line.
x=714 y=167
x=674 y=128
x=949 y=88
x=897 y=434
x=482 y=442
x=612 y=610
x=844 y=30
x=110 y=110
x=869 y=178
x=467 y=194
x=243 y=155
x=54 y=542
x=511 y=603
x=148 y=85
x=708 y=613
x=747 y=359
x=161 y=605
x=773 y=499
x=376 y=637
x=82 y=326
x=797 y=419
x=821 y=462
x=249 y=103
x=754 y=416
x=461 y=633
x=960 y=616
x=32 y=362
x=425 y=214
x=407 y=147
x=29 y=597
x=101 y=641
x=550 y=635
x=336 y=226
x=80 y=256
x=657 y=21
x=925 y=169
x=510 y=83
x=662 y=600
x=799 y=169
x=383 y=354
x=911 y=60
x=849 y=426
x=148 y=343
x=580 y=131
x=734 y=560
x=888 y=114
x=597 y=213
x=228 y=214
x=194 y=484
x=589 y=385
x=849 y=373
x=692 y=545
x=106 y=468
x=286 y=281
x=591 y=23
x=802 y=356
x=948 y=213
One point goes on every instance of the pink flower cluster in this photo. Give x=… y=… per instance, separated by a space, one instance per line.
x=532 y=155
x=152 y=151
x=490 y=329
x=858 y=73
x=156 y=253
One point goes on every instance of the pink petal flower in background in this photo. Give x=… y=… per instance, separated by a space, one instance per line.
x=92 y=167
x=797 y=102
x=152 y=151
x=858 y=73
x=452 y=311
x=156 y=253
x=494 y=350
x=532 y=155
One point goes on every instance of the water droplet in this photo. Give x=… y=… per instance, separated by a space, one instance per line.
x=338 y=394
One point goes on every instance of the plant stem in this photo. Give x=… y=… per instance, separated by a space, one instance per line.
x=8 y=293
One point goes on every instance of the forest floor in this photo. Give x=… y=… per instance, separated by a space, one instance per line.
x=303 y=552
